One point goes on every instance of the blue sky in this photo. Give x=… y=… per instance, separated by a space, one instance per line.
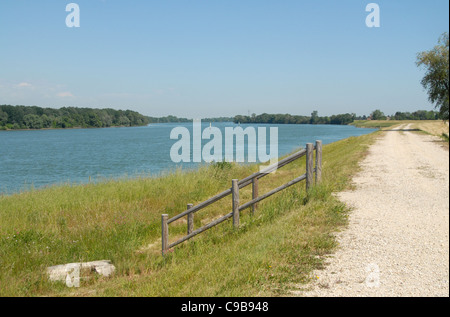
x=203 y=58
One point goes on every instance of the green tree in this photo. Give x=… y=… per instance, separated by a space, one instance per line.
x=314 y=117
x=378 y=115
x=436 y=79
x=32 y=121
x=46 y=121
x=3 y=118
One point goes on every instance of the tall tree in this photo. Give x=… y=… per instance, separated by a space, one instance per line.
x=314 y=117
x=435 y=81
x=378 y=115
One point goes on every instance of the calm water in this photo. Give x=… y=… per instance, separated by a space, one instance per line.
x=45 y=157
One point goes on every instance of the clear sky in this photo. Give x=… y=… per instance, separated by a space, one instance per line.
x=204 y=58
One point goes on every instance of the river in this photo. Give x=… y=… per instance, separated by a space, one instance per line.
x=39 y=158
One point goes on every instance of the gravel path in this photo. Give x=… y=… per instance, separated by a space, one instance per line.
x=397 y=242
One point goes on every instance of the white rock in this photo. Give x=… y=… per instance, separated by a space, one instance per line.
x=60 y=272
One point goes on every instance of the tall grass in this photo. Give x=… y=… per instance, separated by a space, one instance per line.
x=119 y=220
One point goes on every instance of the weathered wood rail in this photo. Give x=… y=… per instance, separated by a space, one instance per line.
x=236 y=185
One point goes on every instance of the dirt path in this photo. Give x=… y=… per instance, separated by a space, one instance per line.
x=397 y=243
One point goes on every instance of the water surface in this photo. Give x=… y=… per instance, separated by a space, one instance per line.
x=33 y=159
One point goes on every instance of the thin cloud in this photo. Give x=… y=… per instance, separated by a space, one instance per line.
x=24 y=84
x=65 y=94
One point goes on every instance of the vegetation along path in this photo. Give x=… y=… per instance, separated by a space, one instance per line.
x=397 y=242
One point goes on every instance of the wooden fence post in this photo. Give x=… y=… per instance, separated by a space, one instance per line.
x=165 y=233
x=318 y=162
x=190 y=220
x=255 y=190
x=235 y=193
x=309 y=165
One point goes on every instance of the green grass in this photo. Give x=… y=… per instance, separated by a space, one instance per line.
x=436 y=128
x=376 y=123
x=271 y=253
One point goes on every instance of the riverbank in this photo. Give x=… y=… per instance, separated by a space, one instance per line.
x=75 y=128
x=120 y=221
x=33 y=117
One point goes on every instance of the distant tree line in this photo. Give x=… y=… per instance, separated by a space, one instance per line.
x=26 y=117
x=340 y=119
x=168 y=119
x=172 y=119
x=416 y=115
x=219 y=119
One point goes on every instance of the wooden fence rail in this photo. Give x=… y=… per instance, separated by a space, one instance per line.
x=236 y=185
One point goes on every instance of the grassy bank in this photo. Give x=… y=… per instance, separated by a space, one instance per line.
x=376 y=124
x=434 y=127
x=272 y=252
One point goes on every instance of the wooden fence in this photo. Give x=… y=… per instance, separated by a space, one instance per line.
x=234 y=191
